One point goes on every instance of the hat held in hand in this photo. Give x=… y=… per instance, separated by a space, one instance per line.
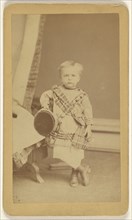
x=44 y=122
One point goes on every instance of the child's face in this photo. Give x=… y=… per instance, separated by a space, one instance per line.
x=70 y=77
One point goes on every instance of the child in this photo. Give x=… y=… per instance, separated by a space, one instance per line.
x=72 y=108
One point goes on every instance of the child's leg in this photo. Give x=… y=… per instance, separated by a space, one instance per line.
x=84 y=172
x=74 y=177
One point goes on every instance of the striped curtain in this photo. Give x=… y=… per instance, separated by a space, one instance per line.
x=33 y=74
x=26 y=74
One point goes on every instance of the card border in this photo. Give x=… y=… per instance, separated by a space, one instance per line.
x=65 y=209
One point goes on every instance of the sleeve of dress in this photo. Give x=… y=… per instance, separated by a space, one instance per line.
x=88 y=114
x=45 y=99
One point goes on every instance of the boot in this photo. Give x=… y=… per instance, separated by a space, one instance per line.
x=84 y=173
x=74 y=178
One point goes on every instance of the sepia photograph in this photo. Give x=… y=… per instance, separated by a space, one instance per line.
x=66 y=97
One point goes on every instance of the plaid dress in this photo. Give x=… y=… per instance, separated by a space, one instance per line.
x=73 y=110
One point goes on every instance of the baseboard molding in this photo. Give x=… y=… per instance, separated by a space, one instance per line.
x=106 y=133
x=106 y=125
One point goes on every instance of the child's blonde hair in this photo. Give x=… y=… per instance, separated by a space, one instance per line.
x=71 y=63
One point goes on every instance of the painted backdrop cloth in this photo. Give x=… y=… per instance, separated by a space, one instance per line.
x=62 y=148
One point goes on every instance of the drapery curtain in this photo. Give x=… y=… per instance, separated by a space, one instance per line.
x=25 y=76
x=24 y=83
x=33 y=74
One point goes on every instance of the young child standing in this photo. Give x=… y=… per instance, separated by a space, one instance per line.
x=72 y=108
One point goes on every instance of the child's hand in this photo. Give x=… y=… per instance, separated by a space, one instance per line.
x=45 y=107
x=88 y=132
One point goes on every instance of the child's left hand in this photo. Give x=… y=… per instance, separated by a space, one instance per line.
x=88 y=132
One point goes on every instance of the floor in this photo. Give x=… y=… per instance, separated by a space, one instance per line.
x=104 y=183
